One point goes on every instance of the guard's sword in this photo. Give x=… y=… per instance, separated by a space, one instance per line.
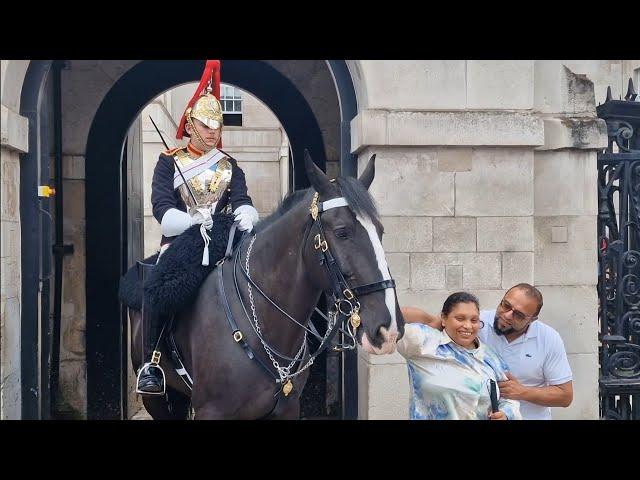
x=193 y=197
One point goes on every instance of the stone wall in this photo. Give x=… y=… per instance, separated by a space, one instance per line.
x=497 y=162
x=498 y=170
x=84 y=84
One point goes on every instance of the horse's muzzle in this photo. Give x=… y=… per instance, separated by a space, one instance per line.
x=388 y=344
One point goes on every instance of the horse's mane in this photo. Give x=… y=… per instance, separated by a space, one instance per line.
x=287 y=204
x=357 y=196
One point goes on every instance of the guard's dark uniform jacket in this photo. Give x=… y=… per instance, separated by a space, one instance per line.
x=164 y=197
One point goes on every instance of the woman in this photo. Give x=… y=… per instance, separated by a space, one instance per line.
x=450 y=371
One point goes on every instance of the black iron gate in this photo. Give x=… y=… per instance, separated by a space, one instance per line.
x=619 y=258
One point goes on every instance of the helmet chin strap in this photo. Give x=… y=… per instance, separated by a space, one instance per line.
x=198 y=136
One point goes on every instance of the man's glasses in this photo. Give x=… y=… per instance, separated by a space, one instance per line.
x=517 y=314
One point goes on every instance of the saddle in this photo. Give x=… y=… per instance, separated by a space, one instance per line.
x=176 y=279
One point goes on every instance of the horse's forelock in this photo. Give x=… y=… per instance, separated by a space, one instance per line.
x=359 y=199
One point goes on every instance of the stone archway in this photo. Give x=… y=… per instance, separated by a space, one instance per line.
x=105 y=239
x=88 y=88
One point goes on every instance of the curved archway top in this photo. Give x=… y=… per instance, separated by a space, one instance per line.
x=325 y=86
x=12 y=78
x=359 y=82
x=146 y=80
x=13 y=75
x=91 y=80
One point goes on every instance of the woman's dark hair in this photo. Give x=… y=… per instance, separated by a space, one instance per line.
x=456 y=298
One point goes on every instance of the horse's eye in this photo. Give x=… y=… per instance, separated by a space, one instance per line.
x=341 y=232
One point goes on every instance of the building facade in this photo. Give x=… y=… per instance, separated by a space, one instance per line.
x=496 y=161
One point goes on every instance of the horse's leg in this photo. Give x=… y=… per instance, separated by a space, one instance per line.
x=175 y=407
x=179 y=404
x=291 y=411
x=208 y=411
x=136 y=339
x=157 y=407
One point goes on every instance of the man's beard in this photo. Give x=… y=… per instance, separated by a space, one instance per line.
x=501 y=332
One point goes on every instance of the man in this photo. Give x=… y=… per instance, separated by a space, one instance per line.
x=206 y=182
x=540 y=376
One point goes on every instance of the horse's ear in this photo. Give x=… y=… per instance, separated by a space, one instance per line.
x=369 y=172
x=319 y=181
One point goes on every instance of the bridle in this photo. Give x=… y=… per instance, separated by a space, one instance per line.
x=342 y=297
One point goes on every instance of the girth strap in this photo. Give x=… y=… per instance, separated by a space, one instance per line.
x=177 y=358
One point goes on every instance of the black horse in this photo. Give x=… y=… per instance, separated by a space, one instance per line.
x=290 y=259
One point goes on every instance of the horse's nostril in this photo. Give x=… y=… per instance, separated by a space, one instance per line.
x=386 y=336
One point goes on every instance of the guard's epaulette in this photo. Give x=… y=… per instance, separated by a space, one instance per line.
x=171 y=151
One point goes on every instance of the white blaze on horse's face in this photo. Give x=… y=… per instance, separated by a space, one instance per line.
x=390 y=335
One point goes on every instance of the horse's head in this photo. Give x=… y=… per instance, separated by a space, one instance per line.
x=347 y=229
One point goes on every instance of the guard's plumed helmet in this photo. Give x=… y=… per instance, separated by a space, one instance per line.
x=205 y=104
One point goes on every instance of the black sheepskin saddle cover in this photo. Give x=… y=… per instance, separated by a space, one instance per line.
x=174 y=282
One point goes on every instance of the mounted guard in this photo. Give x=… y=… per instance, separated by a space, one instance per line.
x=189 y=186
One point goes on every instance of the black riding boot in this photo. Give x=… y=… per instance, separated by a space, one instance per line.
x=151 y=379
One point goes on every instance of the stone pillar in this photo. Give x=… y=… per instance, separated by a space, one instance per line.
x=10 y=291
x=565 y=218
x=84 y=85
x=478 y=164
x=454 y=173
x=13 y=141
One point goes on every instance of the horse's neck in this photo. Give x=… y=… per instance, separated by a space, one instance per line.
x=277 y=265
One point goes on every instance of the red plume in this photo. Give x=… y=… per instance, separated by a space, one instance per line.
x=211 y=74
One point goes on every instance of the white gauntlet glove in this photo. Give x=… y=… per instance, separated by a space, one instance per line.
x=201 y=215
x=247 y=216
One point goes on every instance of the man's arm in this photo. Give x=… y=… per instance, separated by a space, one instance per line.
x=551 y=396
x=239 y=194
x=162 y=194
x=556 y=372
x=416 y=315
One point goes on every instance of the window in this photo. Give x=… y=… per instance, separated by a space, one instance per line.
x=231 y=100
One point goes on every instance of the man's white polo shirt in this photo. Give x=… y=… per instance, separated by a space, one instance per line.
x=536 y=359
